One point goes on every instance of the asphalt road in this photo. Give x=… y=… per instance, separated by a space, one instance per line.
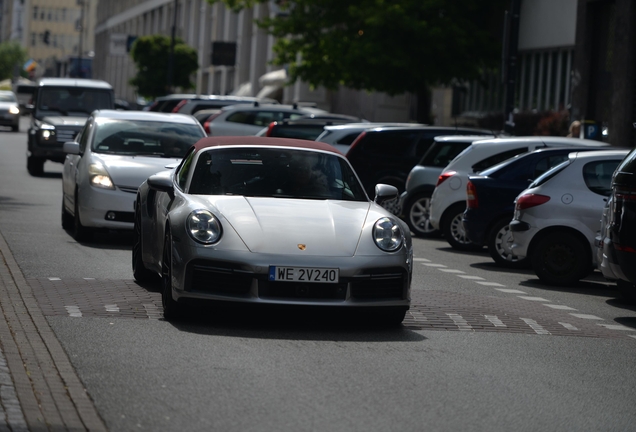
x=482 y=349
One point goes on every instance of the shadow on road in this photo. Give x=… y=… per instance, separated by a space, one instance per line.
x=591 y=285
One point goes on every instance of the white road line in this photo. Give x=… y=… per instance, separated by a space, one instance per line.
x=54 y=278
x=88 y=278
x=490 y=284
x=460 y=322
x=560 y=307
x=433 y=265
x=73 y=311
x=510 y=291
x=111 y=308
x=153 y=311
x=632 y=336
x=421 y=259
x=568 y=326
x=495 y=320
x=584 y=316
x=471 y=277
x=616 y=327
x=418 y=316
x=534 y=298
x=450 y=270
x=535 y=326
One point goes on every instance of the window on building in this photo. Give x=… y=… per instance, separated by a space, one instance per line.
x=33 y=39
x=35 y=13
x=63 y=13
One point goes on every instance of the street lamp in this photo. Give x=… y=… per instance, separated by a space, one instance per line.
x=172 y=42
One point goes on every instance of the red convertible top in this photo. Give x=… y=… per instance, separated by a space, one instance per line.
x=254 y=140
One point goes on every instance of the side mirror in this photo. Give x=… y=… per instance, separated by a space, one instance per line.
x=384 y=192
x=162 y=182
x=71 y=147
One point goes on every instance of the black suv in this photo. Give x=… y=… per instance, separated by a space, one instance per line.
x=60 y=109
x=622 y=225
x=386 y=155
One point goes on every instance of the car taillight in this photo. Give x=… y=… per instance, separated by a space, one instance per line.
x=625 y=193
x=471 y=196
x=530 y=200
x=206 y=124
x=445 y=176
x=623 y=248
x=270 y=129
x=179 y=105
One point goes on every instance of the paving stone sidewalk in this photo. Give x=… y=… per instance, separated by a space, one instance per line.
x=39 y=389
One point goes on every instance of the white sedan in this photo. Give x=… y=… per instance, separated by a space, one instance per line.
x=112 y=155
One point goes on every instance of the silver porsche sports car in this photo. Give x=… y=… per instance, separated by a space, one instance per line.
x=270 y=221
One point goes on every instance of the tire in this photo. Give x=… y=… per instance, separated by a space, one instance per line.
x=392 y=317
x=417 y=214
x=80 y=232
x=561 y=259
x=15 y=128
x=67 y=218
x=172 y=310
x=453 y=229
x=140 y=272
x=35 y=166
x=498 y=243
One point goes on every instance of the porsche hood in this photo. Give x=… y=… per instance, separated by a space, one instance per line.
x=288 y=226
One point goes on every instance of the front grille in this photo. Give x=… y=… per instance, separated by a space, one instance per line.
x=65 y=135
x=128 y=189
x=120 y=216
x=302 y=290
x=4 y=111
x=218 y=278
x=386 y=285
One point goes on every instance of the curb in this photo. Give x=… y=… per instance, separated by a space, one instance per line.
x=50 y=393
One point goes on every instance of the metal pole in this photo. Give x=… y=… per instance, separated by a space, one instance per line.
x=511 y=71
x=172 y=43
x=81 y=29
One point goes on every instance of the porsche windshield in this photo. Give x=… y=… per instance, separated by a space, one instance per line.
x=275 y=172
x=145 y=138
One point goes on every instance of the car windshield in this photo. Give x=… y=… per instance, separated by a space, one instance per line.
x=72 y=100
x=275 y=172
x=144 y=138
x=8 y=97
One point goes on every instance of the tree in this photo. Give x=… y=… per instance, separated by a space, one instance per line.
x=12 y=55
x=392 y=46
x=150 y=54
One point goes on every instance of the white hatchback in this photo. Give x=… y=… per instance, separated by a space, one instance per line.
x=448 y=200
x=557 y=218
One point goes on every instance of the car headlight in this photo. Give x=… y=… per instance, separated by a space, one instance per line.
x=47 y=132
x=14 y=110
x=98 y=177
x=387 y=234
x=203 y=227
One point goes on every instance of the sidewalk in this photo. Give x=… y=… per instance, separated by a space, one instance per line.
x=39 y=390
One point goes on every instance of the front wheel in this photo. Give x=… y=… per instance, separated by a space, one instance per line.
x=172 y=310
x=35 y=166
x=80 y=232
x=67 y=218
x=561 y=259
x=499 y=242
x=140 y=272
x=454 y=231
x=418 y=214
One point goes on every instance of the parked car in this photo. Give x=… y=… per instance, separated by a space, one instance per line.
x=271 y=221
x=490 y=197
x=9 y=110
x=24 y=91
x=415 y=201
x=61 y=107
x=193 y=105
x=301 y=128
x=606 y=260
x=387 y=155
x=249 y=119
x=342 y=136
x=168 y=102
x=556 y=218
x=114 y=153
x=448 y=201
x=203 y=115
x=622 y=226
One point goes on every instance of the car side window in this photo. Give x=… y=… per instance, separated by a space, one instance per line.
x=84 y=135
x=184 y=169
x=546 y=163
x=495 y=159
x=348 y=139
x=239 y=117
x=264 y=118
x=598 y=176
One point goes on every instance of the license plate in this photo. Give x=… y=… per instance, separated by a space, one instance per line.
x=304 y=274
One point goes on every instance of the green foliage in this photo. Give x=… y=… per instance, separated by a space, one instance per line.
x=151 y=55
x=393 y=46
x=11 y=55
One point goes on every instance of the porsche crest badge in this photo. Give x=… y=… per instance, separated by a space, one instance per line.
x=302 y=246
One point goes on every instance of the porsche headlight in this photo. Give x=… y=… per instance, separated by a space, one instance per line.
x=203 y=227
x=14 y=110
x=387 y=234
x=99 y=177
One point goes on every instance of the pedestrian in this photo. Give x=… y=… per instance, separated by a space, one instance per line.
x=575 y=129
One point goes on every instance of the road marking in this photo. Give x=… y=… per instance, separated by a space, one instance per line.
x=73 y=311
x=632 y=336
x=153 y=311
x=418 y=316
x=560 y=307
x=433 y=265
x=510 y=291
x=535 y=326
x=616 y=327
x=495 y=320
x=534 y=298
x=568 y=326
x=490 y=284
x=88 y=278
x=471 y=277
x=584 y=316
x=54 y=278
x=450 y=270
x=111 y=308
x=421 y=259
x=460 y=322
